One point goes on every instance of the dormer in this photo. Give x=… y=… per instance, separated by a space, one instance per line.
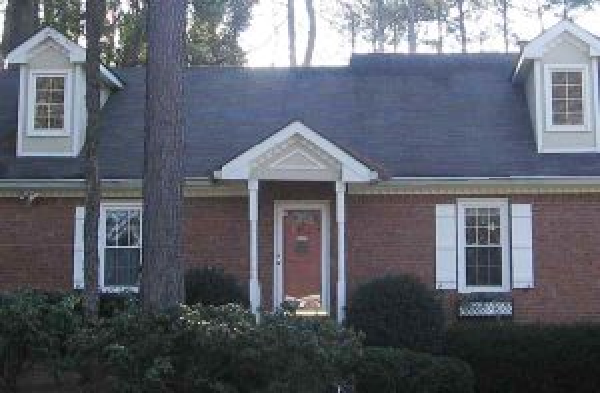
x=559 y=70
x=52 y=112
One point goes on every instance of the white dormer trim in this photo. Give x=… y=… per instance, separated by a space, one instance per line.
x=240 y=168
x=76 y=54
x=539 y=45
x=22 y=53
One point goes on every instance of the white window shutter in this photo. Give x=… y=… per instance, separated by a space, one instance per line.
x=445 y=246
x=522 y=246
x=78 y=258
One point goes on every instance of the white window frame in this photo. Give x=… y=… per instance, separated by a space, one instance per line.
x=586 y=96
x=43 y=132
x=503 y=205
x=104 y=207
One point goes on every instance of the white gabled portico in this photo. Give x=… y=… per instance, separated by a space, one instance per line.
x=296 y=153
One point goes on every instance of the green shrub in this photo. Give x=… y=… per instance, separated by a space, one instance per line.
x=35 y=328
x=529 y=358
x=212 y=286
x=393 y=370
x=218 y=349
x=111 y=304
x=397 y=311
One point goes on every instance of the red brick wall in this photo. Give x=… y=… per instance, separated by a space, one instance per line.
x=396 y=234
x=36 y=244
x=385 y=234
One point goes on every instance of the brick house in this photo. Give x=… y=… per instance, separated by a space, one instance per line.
x=479 y=174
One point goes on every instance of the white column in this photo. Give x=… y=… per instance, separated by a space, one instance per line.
x=340 y=192
x=253 y=210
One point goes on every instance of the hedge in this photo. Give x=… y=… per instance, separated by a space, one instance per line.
x=397 y=311
x=392 y=370
x=529 y=358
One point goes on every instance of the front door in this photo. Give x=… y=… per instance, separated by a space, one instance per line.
x=301 y=257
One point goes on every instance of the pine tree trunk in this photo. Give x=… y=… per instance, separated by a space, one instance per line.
x=162 y=267
x=312 y=32
x=411 y=26
x=440 y=27
x=291 y=20
x=95 y=13
x=20 y=23
x=462 y=25
x=380 y=26
x=505 y=24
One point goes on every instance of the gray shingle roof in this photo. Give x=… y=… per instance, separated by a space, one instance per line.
x=415 y=116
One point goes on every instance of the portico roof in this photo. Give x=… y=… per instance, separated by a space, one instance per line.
x=297 y=153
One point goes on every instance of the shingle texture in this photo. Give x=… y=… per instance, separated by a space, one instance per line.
x=413 y=116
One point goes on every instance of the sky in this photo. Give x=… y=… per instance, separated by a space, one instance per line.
x=266 y=40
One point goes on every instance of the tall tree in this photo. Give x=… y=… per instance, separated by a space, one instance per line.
x=162 y=268
x=312 y=32
x=291 y=22
x=65 y=16
x=503 y=7
x=214 y=31
x=20 y=23
x=95 y=14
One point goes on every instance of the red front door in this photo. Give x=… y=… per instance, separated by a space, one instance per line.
x=301 y=262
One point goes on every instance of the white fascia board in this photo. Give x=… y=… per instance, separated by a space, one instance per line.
x=110 y=77
x=517 y=180
x=20 y=55
x=536 y=48
x=352 y=169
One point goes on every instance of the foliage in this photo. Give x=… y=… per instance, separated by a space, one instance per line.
x=397 y=311
x=400 y=371
x=213 y=286
x=529 y=358
x=34 y=329
x=214 y=30
x=218 y=349
x=65 y=16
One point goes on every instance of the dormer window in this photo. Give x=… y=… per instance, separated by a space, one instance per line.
x=566 y=98
x=48 y=98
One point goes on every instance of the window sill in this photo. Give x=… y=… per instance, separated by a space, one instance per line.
x=569 y=129
x=117 y=289
x=482 y=290
x=48 y=133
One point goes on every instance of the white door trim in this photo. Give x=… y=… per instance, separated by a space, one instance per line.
x=280 y=208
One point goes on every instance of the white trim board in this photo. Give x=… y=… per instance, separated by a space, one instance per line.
x=239 y=168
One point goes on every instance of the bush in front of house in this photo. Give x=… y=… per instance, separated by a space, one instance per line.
x=529 y=358
x=392 y=370
x=35 y=328
x=217 y=349
x=397 y=311
x=213 y=286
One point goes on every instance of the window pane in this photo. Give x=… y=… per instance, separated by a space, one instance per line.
x=121 y=266
x=559 y=118
x=559 y=105
x=559 y=91
x=471 y=235
x=134 y=228
x=575 y=91
x=575 y=106
x=559 y=77
x=482 y=236
x=575 y=119
x=574 y=77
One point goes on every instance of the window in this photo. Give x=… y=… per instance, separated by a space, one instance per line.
x=121 y=248
x=566 y=98
x=49 y=103
x=48 y=98
x=483 y=241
